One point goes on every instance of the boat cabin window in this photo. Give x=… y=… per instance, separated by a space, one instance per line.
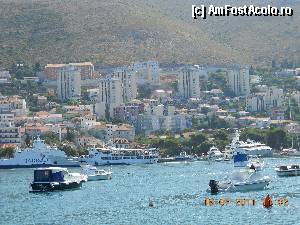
x=42 y=175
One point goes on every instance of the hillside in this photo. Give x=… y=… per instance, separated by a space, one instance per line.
x=121 y=31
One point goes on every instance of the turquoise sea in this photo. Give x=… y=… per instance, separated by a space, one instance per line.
x=178 y=191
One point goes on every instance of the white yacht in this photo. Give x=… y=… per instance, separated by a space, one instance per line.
x=215 y=154
x=250 y=147
x=117 y=156
x=240 y=181
x=96 y=174
x=40 y=155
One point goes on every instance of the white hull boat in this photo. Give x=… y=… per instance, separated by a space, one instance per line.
x=94 y=174
x=286 y=171
x=120 y=156
x=40 y=155
x=241 y=181
x=214 y=154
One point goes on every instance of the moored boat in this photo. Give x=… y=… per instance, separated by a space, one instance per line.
x=183 y=156
x=96 y=174
x=285 y=171
x=40 y=155
x=214 y=154
x=56 y=178
x=120 y=156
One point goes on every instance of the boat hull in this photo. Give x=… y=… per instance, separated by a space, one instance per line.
x=121 y=162
x=36 y=166
x=47 y=187
x=100 y=177
x=289 y=173
x=242 y=187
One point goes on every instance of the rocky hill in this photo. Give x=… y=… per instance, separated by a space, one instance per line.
x=121 y=31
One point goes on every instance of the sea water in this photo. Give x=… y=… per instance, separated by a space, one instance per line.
x=178 y=191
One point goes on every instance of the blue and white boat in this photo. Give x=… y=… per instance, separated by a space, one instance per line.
x=56 y=178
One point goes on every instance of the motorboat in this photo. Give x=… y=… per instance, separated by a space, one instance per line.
x=255 y=163
x=96 y=174
x=183 y=156
x=39 y=155
x=119 y=156
x=285 y=171
x=240 y=181
x=56 y=178
x=214 y=154
x=290 y=152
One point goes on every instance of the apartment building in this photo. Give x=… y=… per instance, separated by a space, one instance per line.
x=189 y=81
x=68 y=83
x=147 y=72
x=86 y=69
x=239 y=80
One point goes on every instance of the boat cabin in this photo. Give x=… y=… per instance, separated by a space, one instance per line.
x=50 y=174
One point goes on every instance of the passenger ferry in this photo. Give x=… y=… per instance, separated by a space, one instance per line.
x=119 y=156
x=40 y=155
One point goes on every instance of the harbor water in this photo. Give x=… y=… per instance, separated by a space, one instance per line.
x=177 y=190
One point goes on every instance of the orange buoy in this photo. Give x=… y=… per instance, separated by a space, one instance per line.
x=267 y=203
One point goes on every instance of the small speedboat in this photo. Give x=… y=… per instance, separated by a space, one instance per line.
x=56 y=178
x=240 y=181
x=95 y=174
x=285 y=171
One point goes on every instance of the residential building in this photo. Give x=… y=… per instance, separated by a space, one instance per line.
x=88 y=141
x=273 y=97
x=86 y=70
x=124 y=131
x=147 y=72
x=239 y=80
x=127 y=76
x=189 y=81
x=9 y=133
x=68 y=83
x=110 y=97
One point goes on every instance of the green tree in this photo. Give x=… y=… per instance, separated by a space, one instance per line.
x=276 y=138
x=7 y=152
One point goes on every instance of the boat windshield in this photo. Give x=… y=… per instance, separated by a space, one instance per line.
x=42 y=175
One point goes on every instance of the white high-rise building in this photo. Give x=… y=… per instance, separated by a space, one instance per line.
x=110 y=97
x=239 y=80
x=272 y=97
x=127 y=76
x=147 y=72
x=68 y=83
x=189 y=81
